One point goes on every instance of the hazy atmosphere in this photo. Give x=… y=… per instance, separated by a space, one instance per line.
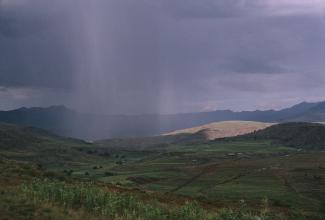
x=162 y=109
x=162 y=56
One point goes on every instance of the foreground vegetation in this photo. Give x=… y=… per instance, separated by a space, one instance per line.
x=112 y=205
x=51 y=196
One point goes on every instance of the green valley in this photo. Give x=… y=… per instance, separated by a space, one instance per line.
x=250 y=175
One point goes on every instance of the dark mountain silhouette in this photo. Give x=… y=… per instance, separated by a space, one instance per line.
x=13 y=137
x=67 y=122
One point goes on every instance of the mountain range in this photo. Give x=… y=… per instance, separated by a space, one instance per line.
x=67 y=122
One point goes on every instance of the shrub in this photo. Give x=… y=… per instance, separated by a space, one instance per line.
x=109 y=173
x=190 y=211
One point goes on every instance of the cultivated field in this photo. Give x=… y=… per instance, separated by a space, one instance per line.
x=166 y=178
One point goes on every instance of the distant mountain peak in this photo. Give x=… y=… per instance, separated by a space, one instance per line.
x=20 y=109
x=59 y=107
x=52 y=107
x=304 y=103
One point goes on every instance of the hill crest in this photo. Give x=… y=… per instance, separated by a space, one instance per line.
x=223 y=129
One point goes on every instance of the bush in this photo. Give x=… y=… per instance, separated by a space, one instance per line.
x=109 y=173
x=322 y=207
x=190 y=211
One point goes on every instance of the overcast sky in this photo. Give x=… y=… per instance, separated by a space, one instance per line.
x=162 y=56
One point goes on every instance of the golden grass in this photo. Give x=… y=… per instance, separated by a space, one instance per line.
x=224 y=129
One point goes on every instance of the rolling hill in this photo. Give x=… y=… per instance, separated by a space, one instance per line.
x=293 y=134
x=40 y=146
x=224 y=129
x=20 y=137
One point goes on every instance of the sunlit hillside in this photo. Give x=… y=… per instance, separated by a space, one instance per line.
x=224 y=129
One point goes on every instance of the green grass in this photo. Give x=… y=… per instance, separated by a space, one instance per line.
x=108 y=205
x=217 y=175
x=307 y=136
x=32 y=194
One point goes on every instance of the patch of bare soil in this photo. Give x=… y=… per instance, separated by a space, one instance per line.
x=143 y=180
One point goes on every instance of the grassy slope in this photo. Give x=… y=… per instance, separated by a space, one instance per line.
x=297 y=134
x=42 y=147
x=28 y=192
x=225 y=173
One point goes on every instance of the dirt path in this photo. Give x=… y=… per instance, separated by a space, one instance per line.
x=283 y=176
x=233 y=178
x=205 y=170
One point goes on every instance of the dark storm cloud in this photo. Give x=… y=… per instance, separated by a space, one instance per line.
x=162 y=56
x=205 y=9
x=3 y=89
x=20 y=26
x=19 y=18
x=211 y=9
x=33 y=49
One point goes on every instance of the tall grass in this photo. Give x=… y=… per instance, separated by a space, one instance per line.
x=110 y=205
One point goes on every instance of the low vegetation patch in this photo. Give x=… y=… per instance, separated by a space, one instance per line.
x=104 y=204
